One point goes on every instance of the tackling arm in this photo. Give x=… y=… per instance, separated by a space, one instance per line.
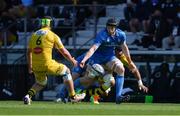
x=132 y=67
x=125 y=51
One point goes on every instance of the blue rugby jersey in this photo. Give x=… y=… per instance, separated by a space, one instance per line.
x=107 y=44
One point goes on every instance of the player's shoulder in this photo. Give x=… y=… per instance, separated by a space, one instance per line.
x=42 y=31
x=103 y=32
x=119 y=31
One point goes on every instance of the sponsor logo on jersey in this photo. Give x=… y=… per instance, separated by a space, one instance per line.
x=37 y=50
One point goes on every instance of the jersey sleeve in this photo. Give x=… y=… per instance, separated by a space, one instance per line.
x=123 y=37
x=58 y=43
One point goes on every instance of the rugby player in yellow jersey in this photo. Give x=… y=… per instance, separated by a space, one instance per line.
x=40 y=61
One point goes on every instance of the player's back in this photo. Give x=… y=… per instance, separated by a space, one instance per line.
x=42 y=43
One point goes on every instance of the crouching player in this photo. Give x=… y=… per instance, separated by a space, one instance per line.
x=105 y=82
x=92 y=80
x=96 y=82
x=108 y=80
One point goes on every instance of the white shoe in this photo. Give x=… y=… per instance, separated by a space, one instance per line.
x=61 y=100
x=27 y=100
x=78 y=97
x=58 y=100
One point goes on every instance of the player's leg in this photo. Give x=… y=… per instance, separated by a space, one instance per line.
x=116 y=66
x=76 y=73
x=41 y=81
x=63 y=93
x=83 y=83
x=61 y=69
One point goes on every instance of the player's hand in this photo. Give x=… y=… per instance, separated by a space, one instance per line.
x=82 y=64
x=143 y=88
x=30 y=70
x=74 y=62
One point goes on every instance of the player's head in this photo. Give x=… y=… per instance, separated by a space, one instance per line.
x=46 y=21
x=111 y=26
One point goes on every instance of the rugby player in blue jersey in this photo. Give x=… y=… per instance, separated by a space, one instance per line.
x=103 y=52
x=113 y=39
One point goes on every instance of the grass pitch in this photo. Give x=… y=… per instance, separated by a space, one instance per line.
x=86 y=108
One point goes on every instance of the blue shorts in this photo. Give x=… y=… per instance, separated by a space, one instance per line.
x=100 y=60
x=78 y=70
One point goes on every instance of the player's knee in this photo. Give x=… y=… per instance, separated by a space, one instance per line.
x=109 y=80
x=42 y=83
x=119 y=68
x=75 y=75
x=112 y=82
x=66 y=74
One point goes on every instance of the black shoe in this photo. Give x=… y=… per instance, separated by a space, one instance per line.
x=121 y=99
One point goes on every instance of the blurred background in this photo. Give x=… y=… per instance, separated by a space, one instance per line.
x=153 y=37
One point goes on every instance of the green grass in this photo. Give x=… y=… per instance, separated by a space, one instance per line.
x=51 y=108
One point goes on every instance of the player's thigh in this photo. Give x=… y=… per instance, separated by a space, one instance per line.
x=55 y=68
x=77 y=72
x=41 y=77
x=115 y=65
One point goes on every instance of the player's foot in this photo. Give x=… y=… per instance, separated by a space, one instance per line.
x=78 y=97
x=61 y=100
x=27 y=100
x=94 y=99
x=121 y=99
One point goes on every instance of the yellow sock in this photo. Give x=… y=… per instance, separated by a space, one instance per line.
x=72 y=94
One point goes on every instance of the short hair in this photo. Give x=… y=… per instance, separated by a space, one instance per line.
x=111 y=22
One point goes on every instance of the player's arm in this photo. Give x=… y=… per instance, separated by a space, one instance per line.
x=89 y=54
x=133 y=68
x=136 y=73
x=29 y=55
x=63 y=50
x=68 y=56
x=125 y=51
